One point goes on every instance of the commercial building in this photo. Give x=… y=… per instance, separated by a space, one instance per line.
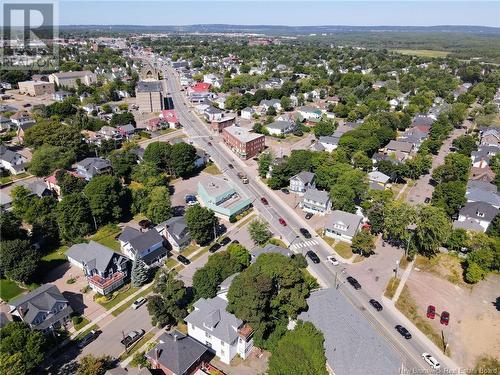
x=36 y=88
x=71 y=79
x=242 y=142
x=150 y=96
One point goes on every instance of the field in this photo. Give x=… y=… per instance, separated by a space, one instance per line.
x=422 y=52
x=106 y=236
x=9 y=289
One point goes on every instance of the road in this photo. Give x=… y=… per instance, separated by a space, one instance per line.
x=384 y=323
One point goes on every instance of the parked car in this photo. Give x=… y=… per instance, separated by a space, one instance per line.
x=403 y=332
x=230 y=166
x=183 y=259
x=264 y=201
x=351 y=280
x=139 y=302
x=286 y=191
x=225 y=241
x=209 y=143
x=427 y=200
x=445 y=318
x=313 y=256
x=376 y=304
x=214 y=247
x=132 y=337
x=88 y=338
x=305 y=232
x=235 y=241
x=431 y=361
x=431 y=312
x=331 y=259
x=309 y=215
x=282 y=221
x=189 y=198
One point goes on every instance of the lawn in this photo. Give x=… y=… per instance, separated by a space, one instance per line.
x=406 y=304
x=198 y=254
x=148 y=336
x=422 y=52
x=122 y=294
x=54 y=259
x=277 y=242
x=82 y=324
x=81 y=335
x=9 y=289
x=391 y=287
x=245 y=221
x=106 y=236
x=212 y=169
x=171 y=263
x=344 y=250
x=190 y=250
x=127 y=305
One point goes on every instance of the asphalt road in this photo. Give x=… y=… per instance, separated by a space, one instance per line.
x=383 y=322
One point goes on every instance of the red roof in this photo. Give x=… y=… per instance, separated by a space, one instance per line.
x=169 y=116
x=53 y=180
x=201 y=87
x=154 y=121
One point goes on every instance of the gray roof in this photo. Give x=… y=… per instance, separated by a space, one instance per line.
x=149 y=86
x=422 y=120
x=399 y=146
x=93 y=255
x=317 y=196
x=352 y=346
x=351 y=221
x=177 y=352
x=270 y=248
x=330 y=140
x=469 y=224
x=280 y=125
x=477 y=195
x=212 y=110
x=472 y=209
x=211 y=316
x=176 y=226
x=128 y=233
x=378 y=177
x=270 y=103
x=7 y=155
x=37 y=187
x=305 y=177
x=145 y=240
x=94 y=163
x=481 y=185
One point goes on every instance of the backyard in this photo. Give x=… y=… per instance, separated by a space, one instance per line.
x=106 y=236
x=9 y=290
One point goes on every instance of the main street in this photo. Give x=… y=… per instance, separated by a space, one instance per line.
x=383 y=322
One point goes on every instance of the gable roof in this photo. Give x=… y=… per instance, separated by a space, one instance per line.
x=280 y=125
x=94 y=163
x=481 y=185
x=351 y=221
x=471 y=210
x=176 y=226
x=93 y=255
x=317 y=196
x=399 y=146
x=145 y=240
x=377 y=176
x=304 y=176
x=128 y=233
x=329 y=140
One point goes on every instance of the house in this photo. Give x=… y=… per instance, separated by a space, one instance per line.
x=53 y=185
x=422 y=121
x=199 y=92
x=44 y=309
x=220 y=330
x=478 y=194
x=150 y=96
x=147 y=246
x=105 y=270
x=301 y=182
x=12 y=161
x=483 y=155
x=266 y=104
x=315 y=201
x=176 y=232
x=213 y=80
x=213 y=114
x=22 y=118
x=90 y=167
x=110 y=133
x=490 y=137
x=329 y=143
x=271 y=83
x=247 y=113
x=485 y=174
x=478 y=213
x=280 y=127
x=400 y=149
x=242 y=142
x=270 y=249
x=308 y=112
x=170 y=117
x=221 y=197
x=342 y=225
x=36 y=88
x=414 y=136
x=126 y=131
x=37 y=187
x=61 y=95
x=178 y=354
x=5 y=123
x=5 y=202
x=377 y=85
x=201 y=158
x=71 y=79
x=377 y=178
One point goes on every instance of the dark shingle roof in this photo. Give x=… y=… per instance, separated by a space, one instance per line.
x=149 y=86
x=145 y=240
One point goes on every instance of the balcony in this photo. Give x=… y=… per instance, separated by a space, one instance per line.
x=104 y=283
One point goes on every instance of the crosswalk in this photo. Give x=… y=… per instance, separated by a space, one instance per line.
x=303 y=244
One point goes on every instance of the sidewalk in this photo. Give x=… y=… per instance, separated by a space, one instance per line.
x=403 y=280
x=127 y=360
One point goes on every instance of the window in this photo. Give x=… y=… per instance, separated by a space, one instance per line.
x=207 y=335
x=480 y=214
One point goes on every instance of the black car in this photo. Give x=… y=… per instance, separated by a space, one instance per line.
x=286 y=191
x=230 y=166
x=235 y=241
x=427 y=200
x=309 y=215
x=305 y=232
x=225 y=241
x=313 y=256
x=403 y=332
x=214 y=247
x=376 y=304
x=183 y=259
x=88 y=338
x=351 y=280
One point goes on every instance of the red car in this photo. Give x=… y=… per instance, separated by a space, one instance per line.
x=282 y=221
x=431 y=312
x=445 y=318
x=264 y=201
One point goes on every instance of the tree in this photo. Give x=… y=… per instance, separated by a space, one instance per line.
x=363 y=243
x=123 y=162
x=74 y=217
x=149 y=175
x=259 y=231
x=158 y=154
x=474 y=273
x=286 y=103
x=124 y=118
x=47 y=159
x=183 y=157
x=90 y=365
x=324 y=127
x=457 y=240
x=362 y=161
x=69 y=183
x=104 y=194
x=21 y=349
x=271 y=111
x=265 y=160
x=398 y=216
x=22 y=200
x=240 y=253
x=139 y=273
x=455 y=168
x=159 y=205
x=450 y=196
x=10 y=226
x=433 y=229
x=19 y=260
x=300 y=351
x=168 y=305
x=465 y=144
x=343 y=198
x=201 y=223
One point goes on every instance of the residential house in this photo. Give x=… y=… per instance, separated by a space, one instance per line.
x=270 y=249
x=178 y=354
x=105 y=270
x=36 y=88
x=377 y=85
x=213 y=114
x=476 y=215
x=342 y=225
x=414 y=136
x=199 y=92
x=479 y=191
x=242 y=142
x=220 y=101
x=91 y=167
x=271 y=83
x=22 y=118
x=329 y=143
x=5 y=124
x=308 y=112
x=221 y=197
x=301 y=182
x=147 y=246
x=110 y=133
x=5 y=202
x=176 y=232
x=61 y=95
x=126 y=131
x=225 y=334
x=378 y=180
x=490 y=137
x=201 y=158
x=400 y=149
x=247 y=113
x=280 y=127
x=213 y=80
x=315 y=201
x=12 y=161
x=485 y=174
x=71 y=79
x=37 y=187
x=482 y=156
x=266 y=104
x=44 y=309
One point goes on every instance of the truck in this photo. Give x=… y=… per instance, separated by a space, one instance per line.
x=132 y=337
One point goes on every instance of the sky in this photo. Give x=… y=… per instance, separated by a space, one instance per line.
x=280 y=12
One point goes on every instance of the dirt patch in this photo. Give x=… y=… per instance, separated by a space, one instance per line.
x=445 y=266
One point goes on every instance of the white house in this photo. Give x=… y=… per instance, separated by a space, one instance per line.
x=301 y=182
x=342 y=225
x=280 y=127
x=12 y=161
x=213 y=80
x=247 y=113
x=329 y=143
x=308 y=112
x=315 y=201
x=476 y=215
x=147 y=246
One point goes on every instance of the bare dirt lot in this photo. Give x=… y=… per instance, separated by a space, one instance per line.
x=474 y=328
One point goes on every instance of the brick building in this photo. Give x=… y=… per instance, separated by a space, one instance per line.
x=242 y=142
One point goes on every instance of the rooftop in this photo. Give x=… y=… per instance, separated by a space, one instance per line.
x=242 y=134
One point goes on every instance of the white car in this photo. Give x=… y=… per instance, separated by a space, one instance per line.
x=331 y=259
x=138 y=303
x=431 y=361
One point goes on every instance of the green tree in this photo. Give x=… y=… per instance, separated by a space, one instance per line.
x=104 y=194
x=324 y=127
x=259 y=231
x=47 y=159
x=21 y=349
x=265 y=160
x=139 y=273
x=74 y=217
x=123 y=162
x=149 y=175
x=158 y=154
x=398 y=216
x=201 y=223
x=10 y=226
x=343 y=197
x=300 y=351
x=457 y=240
x=22 y=200
x=159 y=207
x=19 y=260
x=455 y=168
x=286 y=103
x=433 y=229
x=183 y=157
x=362 y=161
x=363 y=243
x=450 y=196
x=240 y=253
x=474 y=273
x=168 y=305
x=465 y=144
x=90 y=365
x=69 y=183
x=124 y=118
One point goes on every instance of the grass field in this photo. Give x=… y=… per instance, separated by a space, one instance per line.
x=54 y=259
x=106 y=236
x=9 y=289
x=122 y=294
x=422 y=52
x=391 y=287
x=212 y=169
x=190 y=250
x=344 y=250
x=94 y=327
x=82 y=324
